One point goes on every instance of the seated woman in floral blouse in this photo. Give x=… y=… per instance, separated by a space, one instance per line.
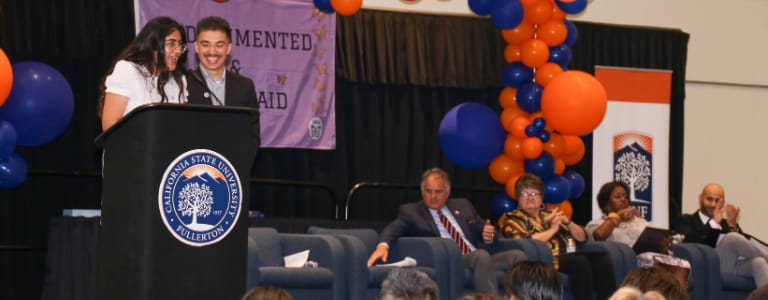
x=587 y=272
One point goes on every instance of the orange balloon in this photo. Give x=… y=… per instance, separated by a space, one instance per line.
x=559 y=166
x=509 y=114
x=512 y=53
x=503 y=167
x=572 y=144
x=555 y=145
x=546 y=72
x=510 y=186
x=534 y=53
x=539 y=12
x=513 y=147
x=508 y=98
x=557 y=13
x=519 y=34
x=564 y=206
x=6 y=77
x=532 y=147
x=528 y=2
x=517 y=127
x=574 y=158
x=553 y=32
x=573 y=102
x=346 y=7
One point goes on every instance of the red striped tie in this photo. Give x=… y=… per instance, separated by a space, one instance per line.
x=454 y=233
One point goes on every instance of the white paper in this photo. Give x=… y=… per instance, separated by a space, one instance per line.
x=406 y=262
x=296 y=260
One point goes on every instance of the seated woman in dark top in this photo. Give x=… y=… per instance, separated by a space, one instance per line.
x=587 y=272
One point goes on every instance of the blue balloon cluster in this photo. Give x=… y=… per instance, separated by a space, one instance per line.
x=501 y=203
x=37 y=110
x=471 y=135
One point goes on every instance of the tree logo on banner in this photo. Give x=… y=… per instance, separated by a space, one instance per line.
x=200 y=197
x=632 y=157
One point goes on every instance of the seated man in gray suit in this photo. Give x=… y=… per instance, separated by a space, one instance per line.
x=707 y=226
x=456 y=219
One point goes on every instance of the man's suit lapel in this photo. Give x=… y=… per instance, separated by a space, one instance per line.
x=427 y=217
x=201 y=80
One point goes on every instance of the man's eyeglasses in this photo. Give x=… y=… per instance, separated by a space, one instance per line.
x=531 y=194
x=174 y=44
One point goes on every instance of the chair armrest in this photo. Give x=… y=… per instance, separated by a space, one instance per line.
x=705 y=269
x=622 y=256
x=431 y=252
x=327 y=251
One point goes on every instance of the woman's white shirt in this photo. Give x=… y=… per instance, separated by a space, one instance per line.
x=128 y=79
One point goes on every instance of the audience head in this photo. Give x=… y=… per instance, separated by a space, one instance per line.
x=613 y=196
x=267 y=293
x=711 y=196
x=632 y=293
x=529 y=280
x=408 y=284
x=529 y=191
x=435 y=188
x=656 y=279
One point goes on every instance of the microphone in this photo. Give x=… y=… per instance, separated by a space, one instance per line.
x=202 y=82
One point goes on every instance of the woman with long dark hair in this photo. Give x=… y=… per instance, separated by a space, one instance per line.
x=150 y=69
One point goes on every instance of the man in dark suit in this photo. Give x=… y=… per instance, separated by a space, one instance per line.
x=211 y=83
x=456 y=219
x=707 y=226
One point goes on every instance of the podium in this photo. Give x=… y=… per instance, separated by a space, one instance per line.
x=175 y=202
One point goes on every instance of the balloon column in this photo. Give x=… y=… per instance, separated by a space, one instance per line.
x=546 y=107
x=36 y=105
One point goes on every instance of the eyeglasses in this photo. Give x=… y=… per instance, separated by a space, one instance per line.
x=174 y=44
x=531 y=194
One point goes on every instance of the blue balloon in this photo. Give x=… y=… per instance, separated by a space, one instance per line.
x=516 y=74
x=8 y=139
x=556 y=190
x=544 y=136
x=531 y=131
x=481 y=7
x=539 y=123
x=542 y=166
x=573 y=33
x=324 y=6
x=471 y=135
x=560 y=55
x=40 y=104
x=13 y=171
x=501 y=203
x=572 y=8
x=507 y=14
x=529 y=97
x=576 y=183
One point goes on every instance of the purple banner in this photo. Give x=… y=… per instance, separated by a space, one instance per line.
x=286 y=47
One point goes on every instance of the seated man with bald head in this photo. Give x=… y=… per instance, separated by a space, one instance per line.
x=707 y=225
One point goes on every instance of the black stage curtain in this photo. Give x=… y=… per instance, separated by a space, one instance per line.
x=397 y=75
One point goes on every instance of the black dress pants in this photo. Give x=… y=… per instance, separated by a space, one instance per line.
x=588 y=274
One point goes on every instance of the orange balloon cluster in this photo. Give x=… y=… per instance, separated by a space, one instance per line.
x=6 y=77
x=572 y=102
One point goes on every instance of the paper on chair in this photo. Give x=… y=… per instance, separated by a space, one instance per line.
x=406 y=262
x=297 y=259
